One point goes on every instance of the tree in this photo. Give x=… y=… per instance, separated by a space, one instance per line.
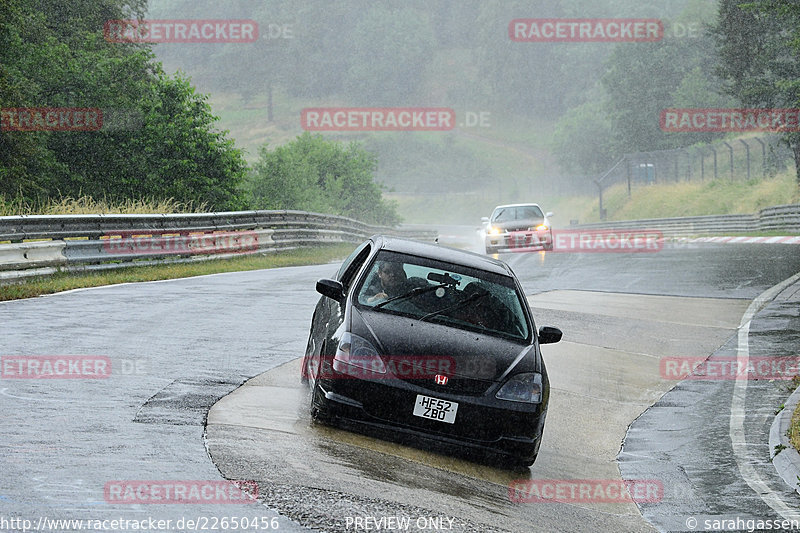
x=759 y=47
x=24 y=159
x=582 y=139
x=390 y=50
x=54 y=54
x=646 y=78
x=314 y=174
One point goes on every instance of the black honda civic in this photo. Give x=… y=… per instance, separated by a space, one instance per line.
x=432 y=344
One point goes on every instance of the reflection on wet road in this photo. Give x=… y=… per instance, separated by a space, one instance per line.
x=198 y=338
x=599 y=386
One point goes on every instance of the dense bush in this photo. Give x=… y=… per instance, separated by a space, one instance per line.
x=314 y=174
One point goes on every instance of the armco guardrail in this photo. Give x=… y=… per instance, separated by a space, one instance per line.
x=778 y=218
x=33 y=245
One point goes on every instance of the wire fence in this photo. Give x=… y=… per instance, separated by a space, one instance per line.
x=742 y=159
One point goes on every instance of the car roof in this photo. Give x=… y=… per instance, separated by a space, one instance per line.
x=518 y=205
x=442 y=253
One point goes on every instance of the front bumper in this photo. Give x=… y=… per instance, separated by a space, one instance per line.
x=484 y=425
x=519 y=240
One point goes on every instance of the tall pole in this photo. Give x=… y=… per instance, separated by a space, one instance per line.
x=763 y=156
x=730 y=148
x=600 y=192
x=714 y=151
x=747 y=147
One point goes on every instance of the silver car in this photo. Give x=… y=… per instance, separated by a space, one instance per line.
x=517 y=227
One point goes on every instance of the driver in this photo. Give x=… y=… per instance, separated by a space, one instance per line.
x=393 y=281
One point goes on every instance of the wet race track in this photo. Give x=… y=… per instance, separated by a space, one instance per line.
x=173 y=408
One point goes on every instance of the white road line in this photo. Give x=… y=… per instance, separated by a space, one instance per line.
x=738 y=441
x=748 y=240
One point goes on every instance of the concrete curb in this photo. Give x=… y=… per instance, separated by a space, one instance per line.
x=787 y=461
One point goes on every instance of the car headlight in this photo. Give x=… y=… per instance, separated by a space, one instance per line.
x=542 y=227
x=359 y=352
x=493 y=230
x=522 y=388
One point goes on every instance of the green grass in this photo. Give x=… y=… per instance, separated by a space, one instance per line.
x=514 y=152
x=720 y=197
x=88 y=205
x=794 y=425
x=64 y=281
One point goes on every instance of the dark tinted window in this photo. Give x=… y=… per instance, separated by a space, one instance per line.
x=444 y=293
x=526 y=212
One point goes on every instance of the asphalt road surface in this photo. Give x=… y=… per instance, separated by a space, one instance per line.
x=178 y=347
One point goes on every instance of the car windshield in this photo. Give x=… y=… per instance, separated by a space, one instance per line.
x=525 y=212
x=448 y=294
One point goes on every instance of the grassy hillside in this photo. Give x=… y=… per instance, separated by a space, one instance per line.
x=458 y=176
x=700 y=198
x=655 y=201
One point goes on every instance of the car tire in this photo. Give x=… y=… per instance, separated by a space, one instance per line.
x=319 y=412
x=318 y=406
x=304 y=364
x=548 y=247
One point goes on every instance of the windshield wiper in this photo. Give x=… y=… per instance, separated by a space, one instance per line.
x=413 y=292
x=469 y=299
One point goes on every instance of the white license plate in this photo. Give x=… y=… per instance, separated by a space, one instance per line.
x=435 y=409
x=521 y=239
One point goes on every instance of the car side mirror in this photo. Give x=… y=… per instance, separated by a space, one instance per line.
x=331 y=288
x=549 y=335
x=548 y=214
